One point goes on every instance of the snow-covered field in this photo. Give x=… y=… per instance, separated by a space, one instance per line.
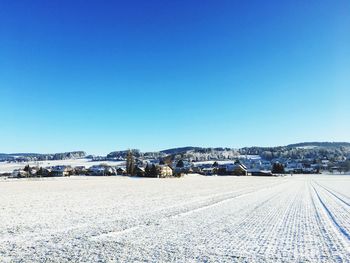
x=191 y=219
x=8 y=167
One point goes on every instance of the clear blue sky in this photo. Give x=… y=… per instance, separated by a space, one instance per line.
x=109 y=75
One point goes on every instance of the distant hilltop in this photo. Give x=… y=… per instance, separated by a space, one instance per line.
x=320 y=144
x=296 y=145
x=41 y=157
x=314 y=150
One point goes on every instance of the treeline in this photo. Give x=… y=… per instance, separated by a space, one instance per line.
x=316 y=153
x=332 y=151
x=122 y=155
x=27 y=157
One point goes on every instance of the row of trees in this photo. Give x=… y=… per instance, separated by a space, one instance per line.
x=151 y=171
x=130 y=163
x=277 y=168
x=335 y=153
x=132 y=169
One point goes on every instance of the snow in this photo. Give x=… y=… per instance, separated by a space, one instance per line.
x=8 y=167
x=247 y=157
x=302 y=218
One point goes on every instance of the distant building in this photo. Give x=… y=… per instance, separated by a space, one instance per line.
x=139 y=171
x=294 y=167
x=61 y=170
x=80 y=170
x=45 y=172
x=257 y=172
x=164 y=171
x=182 y=167
x=102 y=170
x=121 y=170
x=19 y=173
x=97 y=170
x=236 y=168
x=33 y=171
x=208 y=171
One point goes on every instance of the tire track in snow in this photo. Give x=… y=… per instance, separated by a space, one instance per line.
x=338 y=207
x=332 y=192
x=337 y=212
x=331 y=216
x=330 y=234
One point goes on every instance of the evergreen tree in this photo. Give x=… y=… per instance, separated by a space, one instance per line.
x=130 y=163
x=277 y=168
x=180 y=164
x=168 y=160
x=147 y=171
x=154 y=171
x=40 y=172
x=26 y=168
x=345 y=166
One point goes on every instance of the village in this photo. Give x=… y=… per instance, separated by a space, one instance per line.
x=132 y=164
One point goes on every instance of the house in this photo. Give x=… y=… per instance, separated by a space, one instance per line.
x=139 y=171
x=33 y=171
x=19 y=173
x=164 y=171
x=182 y=167
x=121 y=170
x=239 y=169
x=208 y=171
x=97 y=170
x=61 y=170
x=102 y=170
x=80 y=170
x=258 y=164
x=335 y=169
x=183 y=170
x=43 y=172
x=324 y=164
x=309 y=170
x=257 y=172
x=197 y=169
x=109 y=170
x=293 y=167
x=235 y=168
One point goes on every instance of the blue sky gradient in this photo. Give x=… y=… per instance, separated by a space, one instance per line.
x=109 y=75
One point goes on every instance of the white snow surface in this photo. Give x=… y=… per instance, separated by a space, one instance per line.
x=192 y=219
x=8 y=167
